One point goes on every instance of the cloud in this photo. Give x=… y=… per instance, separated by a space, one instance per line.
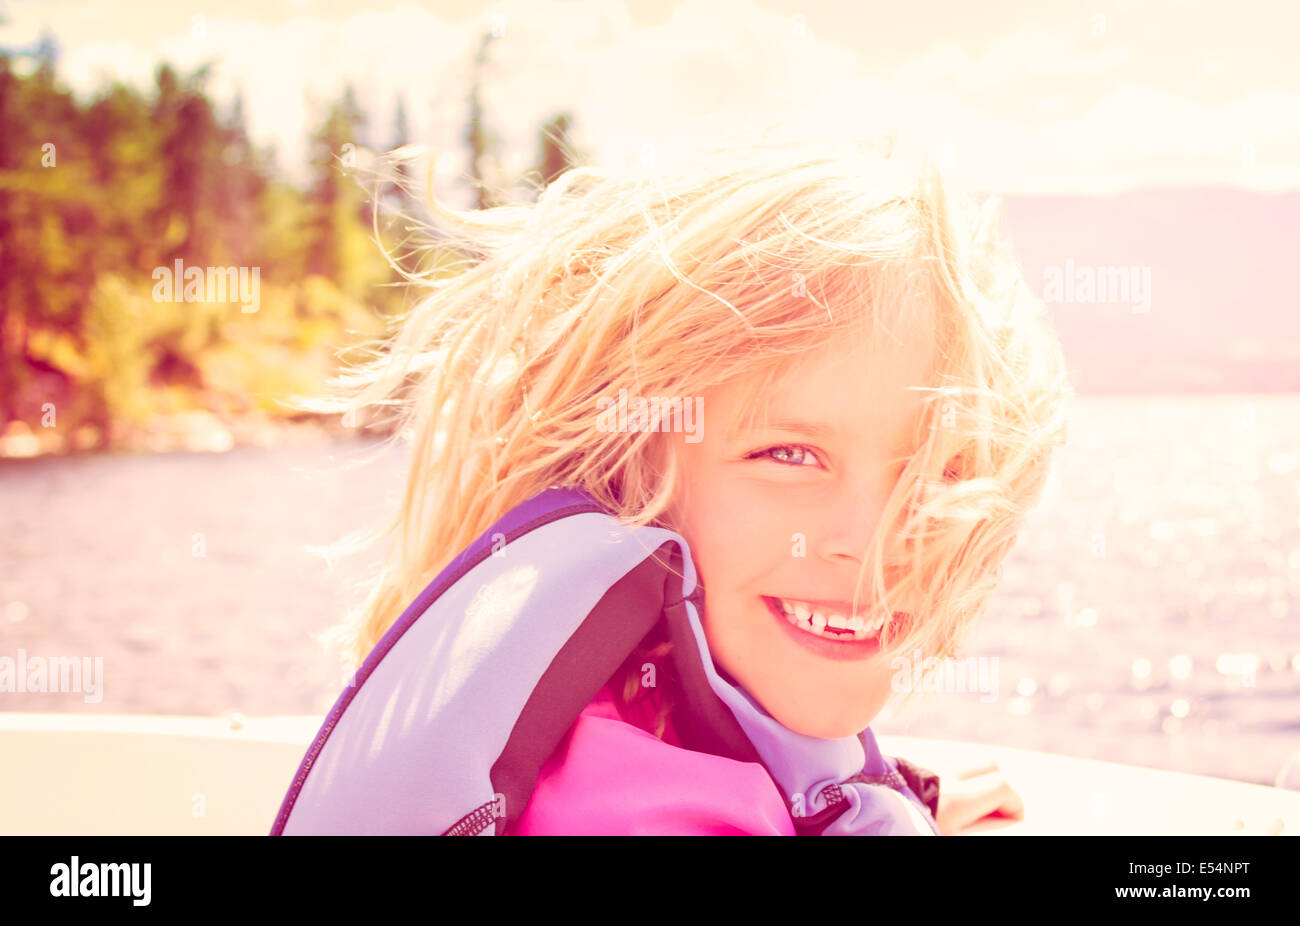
x=1035 y=105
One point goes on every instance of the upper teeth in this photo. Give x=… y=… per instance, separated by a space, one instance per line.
x=816 y=621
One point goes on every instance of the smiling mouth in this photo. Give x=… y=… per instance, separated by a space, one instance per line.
x=827 y=621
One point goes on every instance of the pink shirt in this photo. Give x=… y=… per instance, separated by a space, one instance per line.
x=610 y=776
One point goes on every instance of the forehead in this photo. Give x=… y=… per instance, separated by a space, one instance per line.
x=858 y=389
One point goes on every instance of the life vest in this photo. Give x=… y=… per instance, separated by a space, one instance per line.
x=453 y=713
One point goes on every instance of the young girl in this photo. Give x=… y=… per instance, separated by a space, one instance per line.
x=823 y=373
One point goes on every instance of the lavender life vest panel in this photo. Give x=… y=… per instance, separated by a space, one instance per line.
x=453 y=713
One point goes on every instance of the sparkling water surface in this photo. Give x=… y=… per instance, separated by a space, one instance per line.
x=1149 y=614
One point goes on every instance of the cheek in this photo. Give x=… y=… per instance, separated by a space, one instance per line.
x=736 y=531
x=737 y=543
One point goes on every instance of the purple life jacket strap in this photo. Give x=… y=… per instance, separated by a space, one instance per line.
x=576 y=674
x=403 y=745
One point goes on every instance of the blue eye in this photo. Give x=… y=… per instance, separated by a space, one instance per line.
x=795 y=455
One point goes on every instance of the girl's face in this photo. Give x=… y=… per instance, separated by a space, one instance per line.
x=778 y=518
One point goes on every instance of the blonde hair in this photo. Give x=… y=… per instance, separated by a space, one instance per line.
x=674 y=281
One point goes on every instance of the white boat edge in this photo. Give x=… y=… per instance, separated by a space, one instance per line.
x=137 y=774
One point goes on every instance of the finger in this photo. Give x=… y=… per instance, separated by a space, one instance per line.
x=984 y=769
x=1013 y=805
x=974 y=803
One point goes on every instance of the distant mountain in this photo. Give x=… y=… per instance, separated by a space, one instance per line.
x=1224 y=299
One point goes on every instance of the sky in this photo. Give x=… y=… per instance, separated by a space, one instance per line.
x=1012 y=96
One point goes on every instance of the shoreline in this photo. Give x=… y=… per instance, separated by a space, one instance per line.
x=193 y=432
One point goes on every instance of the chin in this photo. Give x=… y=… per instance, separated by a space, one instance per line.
x=821 y=725
x=822 y=730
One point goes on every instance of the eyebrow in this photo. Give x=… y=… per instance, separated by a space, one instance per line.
x=810 y=428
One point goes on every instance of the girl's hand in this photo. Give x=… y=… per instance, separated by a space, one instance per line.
x=973 y=794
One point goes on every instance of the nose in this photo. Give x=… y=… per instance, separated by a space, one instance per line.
x=849 y=523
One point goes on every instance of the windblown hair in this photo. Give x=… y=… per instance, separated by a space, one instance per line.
x=671 y=282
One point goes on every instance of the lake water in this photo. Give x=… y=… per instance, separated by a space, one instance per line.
x=1150 y=613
